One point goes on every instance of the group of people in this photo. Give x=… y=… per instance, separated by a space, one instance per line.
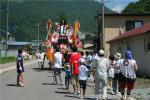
x=114 y=72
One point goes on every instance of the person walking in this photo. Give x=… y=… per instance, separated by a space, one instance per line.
x=74 y=63
x=20 y=68
x=67 y=75
x=117 y=71
x=88 y=62
x=57 y=66
x=110 y=72
x=100 y=69
x=128 y=69
x=82 y=77
x=41 y=58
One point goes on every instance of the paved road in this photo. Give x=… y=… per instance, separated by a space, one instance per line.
x=38 y=86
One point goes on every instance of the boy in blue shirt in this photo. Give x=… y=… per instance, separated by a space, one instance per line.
x=67 y=76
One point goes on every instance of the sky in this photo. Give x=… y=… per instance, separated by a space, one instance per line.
x=117 y=5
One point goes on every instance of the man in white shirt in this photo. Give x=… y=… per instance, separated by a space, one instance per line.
x=57 y=65
x=100 y=69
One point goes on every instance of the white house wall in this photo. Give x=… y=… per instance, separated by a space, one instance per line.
x=141 y=55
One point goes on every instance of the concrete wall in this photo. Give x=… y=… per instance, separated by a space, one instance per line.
x=140 y=53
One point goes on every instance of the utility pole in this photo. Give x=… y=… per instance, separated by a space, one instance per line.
x=102 y=38
x=7 y=30
x=38 y=26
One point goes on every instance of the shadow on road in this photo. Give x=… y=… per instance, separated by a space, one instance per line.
x=90 y=85
x=73 y=96
x=39 y=69
x=48 y=84
x=62 y=88
x=15 y=85
x=51 y=76
x=89 y=98
x=63 y=92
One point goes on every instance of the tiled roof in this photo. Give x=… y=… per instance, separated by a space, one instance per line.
x=137 y=31
x=126 y=14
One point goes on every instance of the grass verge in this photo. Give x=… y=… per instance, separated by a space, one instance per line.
x=4 y=60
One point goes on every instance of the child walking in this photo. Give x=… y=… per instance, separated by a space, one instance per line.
x=83 y=71
x=20 y=68
x=67 y=76
x=111 y=72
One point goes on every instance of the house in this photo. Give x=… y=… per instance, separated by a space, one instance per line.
x=138 y=41
x=115 y=24
x=17 y=45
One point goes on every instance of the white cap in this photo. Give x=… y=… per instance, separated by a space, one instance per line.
x=101 y=52
x=118 y=55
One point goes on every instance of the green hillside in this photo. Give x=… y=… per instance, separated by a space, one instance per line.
x=142 y=6
x=24 y=14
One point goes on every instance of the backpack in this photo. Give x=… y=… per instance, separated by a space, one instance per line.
x=125 y=62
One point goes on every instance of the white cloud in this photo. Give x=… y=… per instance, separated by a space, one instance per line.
x=117 y=5
x=118 y=8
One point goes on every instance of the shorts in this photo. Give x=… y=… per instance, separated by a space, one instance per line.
x=67 y=77
x=57 y=71
x=74 y=78
x=110 y=78
x=126 y=82
x=20 y=71
x=116 y=77
x=82 y=84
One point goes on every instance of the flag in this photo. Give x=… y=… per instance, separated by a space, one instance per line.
x=49 y=25
x=76 y=29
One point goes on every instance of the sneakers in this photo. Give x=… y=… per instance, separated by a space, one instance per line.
x=112 y=92
x=78 y=92
x=81 y=97
x=97 y=97
x=104 y=99
x=130 y=98
x=75 y=93
x=123 y=98
x=20 y=84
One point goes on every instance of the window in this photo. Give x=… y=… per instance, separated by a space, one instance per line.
x=133 y=24
x=147 y=43
x=120 y=46
x=129 y=45
x=148 y=46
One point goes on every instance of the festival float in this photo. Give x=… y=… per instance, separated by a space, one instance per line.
x=63 y=36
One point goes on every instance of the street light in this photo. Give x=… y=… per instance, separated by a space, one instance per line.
x=7 y=30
